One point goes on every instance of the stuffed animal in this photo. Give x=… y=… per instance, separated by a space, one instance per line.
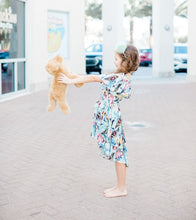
x=57 y=91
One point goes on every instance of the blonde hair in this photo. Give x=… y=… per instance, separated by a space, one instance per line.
x=130 y=59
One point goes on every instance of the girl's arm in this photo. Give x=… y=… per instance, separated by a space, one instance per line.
x=80 y=79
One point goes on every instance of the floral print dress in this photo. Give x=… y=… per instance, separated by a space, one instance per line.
x=107 y=119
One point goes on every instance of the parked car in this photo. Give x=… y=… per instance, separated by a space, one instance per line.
x=180 y=57
x=94 y=55
x=145 y=57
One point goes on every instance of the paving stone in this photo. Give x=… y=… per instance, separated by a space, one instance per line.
x=50 y=167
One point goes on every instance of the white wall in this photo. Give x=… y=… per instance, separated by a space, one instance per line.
x=36 y=43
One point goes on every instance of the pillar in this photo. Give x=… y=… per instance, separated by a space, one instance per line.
x=113 y=31
x=191 y=74
x=163 y=49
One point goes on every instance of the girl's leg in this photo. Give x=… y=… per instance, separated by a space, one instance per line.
x=120 y=189
x=121 y=175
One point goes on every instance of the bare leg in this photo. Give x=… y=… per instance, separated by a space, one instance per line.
x=120 y=190
x=121 y=175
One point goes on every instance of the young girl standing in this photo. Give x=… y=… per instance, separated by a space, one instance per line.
x=107 y=120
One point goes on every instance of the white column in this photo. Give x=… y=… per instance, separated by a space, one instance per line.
x=113 y=31
x=191 y=74
x=163 y=12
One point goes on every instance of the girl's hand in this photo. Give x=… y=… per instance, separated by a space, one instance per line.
x=64 y=79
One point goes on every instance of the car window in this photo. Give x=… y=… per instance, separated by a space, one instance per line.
x=94 y=48
x=146 y=50
x=90 y=49
x=98 y=48
x=180 y=49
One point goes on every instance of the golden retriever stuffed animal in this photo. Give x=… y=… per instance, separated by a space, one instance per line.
x=58 y=90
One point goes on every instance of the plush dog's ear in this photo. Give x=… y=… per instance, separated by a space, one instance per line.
x=59 y=59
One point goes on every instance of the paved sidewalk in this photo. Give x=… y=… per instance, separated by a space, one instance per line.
x=50 y=168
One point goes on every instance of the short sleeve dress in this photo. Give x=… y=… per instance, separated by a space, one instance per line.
x=107 y=120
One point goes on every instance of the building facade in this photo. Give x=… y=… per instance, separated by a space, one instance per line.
x=33 y=31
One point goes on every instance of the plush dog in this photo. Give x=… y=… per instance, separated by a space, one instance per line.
x=58 y=90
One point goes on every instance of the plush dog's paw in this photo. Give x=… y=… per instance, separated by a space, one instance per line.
x=50 y=108
x=65 y=110
x=78 y=85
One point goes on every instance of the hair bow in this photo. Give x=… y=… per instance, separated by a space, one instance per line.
x=121 y=47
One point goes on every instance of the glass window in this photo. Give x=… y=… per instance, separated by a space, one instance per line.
x=12 y=29
x=21 y=75
x=7 y=77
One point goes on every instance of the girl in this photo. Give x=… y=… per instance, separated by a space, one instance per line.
x=107 y=120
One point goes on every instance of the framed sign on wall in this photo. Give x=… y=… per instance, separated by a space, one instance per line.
x=58 y=34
